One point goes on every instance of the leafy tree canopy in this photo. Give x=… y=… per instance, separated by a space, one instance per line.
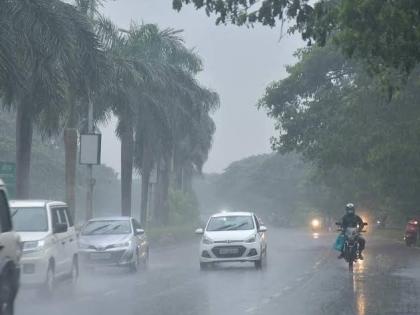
x=384 y=33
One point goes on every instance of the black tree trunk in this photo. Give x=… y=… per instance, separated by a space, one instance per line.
x=24 y=132
x=127 y=152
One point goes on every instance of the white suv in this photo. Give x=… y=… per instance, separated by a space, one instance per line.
x=10 y=253
x=49 y=241
x=233 y=237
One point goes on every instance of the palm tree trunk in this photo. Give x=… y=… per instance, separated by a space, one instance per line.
x=70 y=148
x=127 y=151
x=166 y=176
x=162 y=191
x=145 y=178
x=24 y=132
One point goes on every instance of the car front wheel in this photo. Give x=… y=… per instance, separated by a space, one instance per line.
x=6 y=295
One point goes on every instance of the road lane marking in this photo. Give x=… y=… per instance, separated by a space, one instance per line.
x=251 y=310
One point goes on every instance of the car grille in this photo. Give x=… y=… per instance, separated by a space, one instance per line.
x=228 y=251
x=105 y=257
x=227 y=242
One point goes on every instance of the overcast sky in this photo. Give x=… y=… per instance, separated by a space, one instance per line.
x=238 y=64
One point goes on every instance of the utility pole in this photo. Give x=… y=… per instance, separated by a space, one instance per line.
x=90 y=180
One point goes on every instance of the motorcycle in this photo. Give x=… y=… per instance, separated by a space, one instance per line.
x=411 y=232
x=351 y=244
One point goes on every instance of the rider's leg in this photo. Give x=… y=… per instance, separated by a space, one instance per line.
x=362 y=243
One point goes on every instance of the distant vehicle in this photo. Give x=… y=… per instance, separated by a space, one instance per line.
x=49 y=242
x=233 y=237
x=114 y=241
x=10 y=253
x=316 y=225
x=411 y=234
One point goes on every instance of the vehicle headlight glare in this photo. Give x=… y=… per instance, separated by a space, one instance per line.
x=119 y=245
x=207 y=241
x=83 y=246
x=252 y=239
x=31 y=246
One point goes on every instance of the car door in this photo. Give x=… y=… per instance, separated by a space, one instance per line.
x=72 y=235
x=8 y=239
x=69 y=238
x=59 y=239
x=140 y=238
x=260 y=234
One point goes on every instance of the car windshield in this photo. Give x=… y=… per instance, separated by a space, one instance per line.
x=230 y=223
x=29 y=219
x=107 y=227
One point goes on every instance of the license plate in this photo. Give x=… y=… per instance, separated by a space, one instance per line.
x=227 y=251
x=100 y=256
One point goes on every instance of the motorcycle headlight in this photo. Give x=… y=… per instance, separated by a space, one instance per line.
x=207 y=240
x=33 y=246
x=252 y=239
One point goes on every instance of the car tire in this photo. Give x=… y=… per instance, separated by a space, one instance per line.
x=74 y=273
x=49 y=284
x=145 y=262
x=204 y=266
x=259 y=263
x=134 y=265
x=7 y=296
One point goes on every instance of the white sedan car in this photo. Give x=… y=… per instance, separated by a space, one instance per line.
x=233 y=237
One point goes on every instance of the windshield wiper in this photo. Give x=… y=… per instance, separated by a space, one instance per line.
x=98 y=229
x=235 y=227
x=223 y=228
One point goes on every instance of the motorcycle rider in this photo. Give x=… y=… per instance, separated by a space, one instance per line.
x=350 y=219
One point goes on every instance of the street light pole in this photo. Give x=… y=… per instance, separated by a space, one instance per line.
x=90 y=180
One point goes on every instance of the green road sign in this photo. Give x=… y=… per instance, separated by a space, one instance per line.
x=8 y=175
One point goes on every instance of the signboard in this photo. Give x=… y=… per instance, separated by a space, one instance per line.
x=90 y=149
x=8 y=175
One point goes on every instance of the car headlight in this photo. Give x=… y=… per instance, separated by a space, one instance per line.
x=33 y=246
x=120 y=245
x=252 y=239
x=83 y=246
x=207 y=240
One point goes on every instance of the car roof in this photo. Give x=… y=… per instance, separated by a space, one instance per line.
x=35 y=203
x=231 y=213
x=112 y=218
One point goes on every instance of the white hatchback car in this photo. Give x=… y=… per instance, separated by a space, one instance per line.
x=233 y=237
x=49 y=241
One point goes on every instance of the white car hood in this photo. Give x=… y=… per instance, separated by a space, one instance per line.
x=32 y=236
x=103 y=240
x=219 y=236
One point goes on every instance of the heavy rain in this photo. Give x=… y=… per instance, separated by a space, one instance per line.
x=190 y=157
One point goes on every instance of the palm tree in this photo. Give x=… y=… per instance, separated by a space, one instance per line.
x=47 y=38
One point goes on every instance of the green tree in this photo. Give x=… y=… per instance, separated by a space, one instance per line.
x=363 y=144
x=382 y=33
x=47 y=39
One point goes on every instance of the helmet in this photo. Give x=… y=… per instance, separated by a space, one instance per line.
x=350 y=209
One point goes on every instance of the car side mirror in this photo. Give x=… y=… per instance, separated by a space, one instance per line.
x=262 y=229
x=60 y=228
x=139 y=231
x=199 y=231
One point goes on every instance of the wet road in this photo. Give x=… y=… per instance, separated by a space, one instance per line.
x=302 y=277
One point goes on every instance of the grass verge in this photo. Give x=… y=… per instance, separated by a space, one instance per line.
x=167 y=235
